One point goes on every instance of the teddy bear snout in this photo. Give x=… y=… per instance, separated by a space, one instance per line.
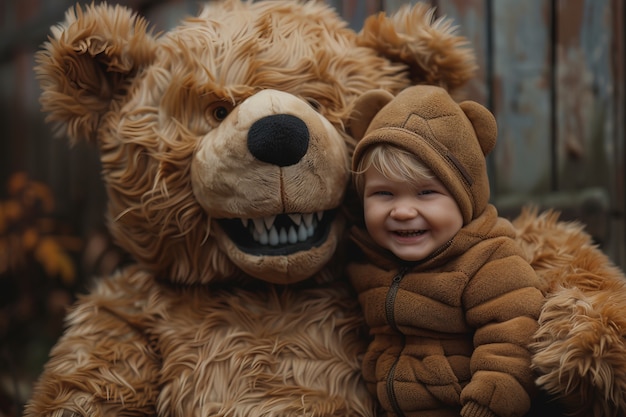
x=279 y=139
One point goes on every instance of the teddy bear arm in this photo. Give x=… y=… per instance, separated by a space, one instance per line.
x=580 y=345
x=103 y=365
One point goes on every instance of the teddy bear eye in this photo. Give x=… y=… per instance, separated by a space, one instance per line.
x=314 y=103
x=218 y=111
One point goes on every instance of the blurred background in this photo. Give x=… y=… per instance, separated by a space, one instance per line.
x=552 y=71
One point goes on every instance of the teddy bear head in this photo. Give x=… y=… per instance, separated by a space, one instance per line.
x=451 y=138
x=223 y=140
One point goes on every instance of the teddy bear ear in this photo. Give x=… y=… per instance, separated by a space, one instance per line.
x=364 y=110
x=484 y=124
x=86 y=63
x=429 y=46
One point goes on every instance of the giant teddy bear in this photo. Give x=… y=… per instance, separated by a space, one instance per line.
x=225 y=148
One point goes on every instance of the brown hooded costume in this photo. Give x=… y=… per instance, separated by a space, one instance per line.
x=450 y=332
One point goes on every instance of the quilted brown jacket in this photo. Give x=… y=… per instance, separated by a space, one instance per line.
x=450 y=333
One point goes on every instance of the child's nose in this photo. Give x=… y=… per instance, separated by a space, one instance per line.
x=404 y=211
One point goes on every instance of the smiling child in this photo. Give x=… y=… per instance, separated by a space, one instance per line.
x=450 y=302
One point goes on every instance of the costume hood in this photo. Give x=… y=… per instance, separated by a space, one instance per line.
x=452 y=139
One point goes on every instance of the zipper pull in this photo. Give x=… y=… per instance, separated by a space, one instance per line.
x=401 y=273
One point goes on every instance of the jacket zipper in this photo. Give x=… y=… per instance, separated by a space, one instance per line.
x=390 y=302
x=391 y=319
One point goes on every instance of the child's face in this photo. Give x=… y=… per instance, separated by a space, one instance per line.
x=412 y=222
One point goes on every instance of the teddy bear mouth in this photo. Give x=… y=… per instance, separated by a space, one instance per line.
x=279 y=235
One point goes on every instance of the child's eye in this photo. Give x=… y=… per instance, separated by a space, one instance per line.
x=381 y=193
x=426 y=192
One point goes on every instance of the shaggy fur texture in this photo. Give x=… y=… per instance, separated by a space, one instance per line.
x=225 y=151
x=136 y=348
x=580 y=348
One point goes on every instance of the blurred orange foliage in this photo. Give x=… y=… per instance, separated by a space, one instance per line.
x=28 y=233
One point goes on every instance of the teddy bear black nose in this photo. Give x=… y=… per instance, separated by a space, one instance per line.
x=279 y=139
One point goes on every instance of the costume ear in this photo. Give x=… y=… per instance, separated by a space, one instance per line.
x=429 y=46
x=484 y=124
x=364 y=110
x=86 y=64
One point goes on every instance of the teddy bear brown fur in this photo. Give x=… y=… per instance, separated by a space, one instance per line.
x=225 y=148
x=225 y=157
x=580 y=347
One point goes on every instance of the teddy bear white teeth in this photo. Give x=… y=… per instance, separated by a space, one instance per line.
x=266 y=232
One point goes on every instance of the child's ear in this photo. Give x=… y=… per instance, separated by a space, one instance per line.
x=484 y=124
x=364 y=110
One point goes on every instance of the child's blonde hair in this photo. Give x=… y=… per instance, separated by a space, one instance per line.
x=393 y=163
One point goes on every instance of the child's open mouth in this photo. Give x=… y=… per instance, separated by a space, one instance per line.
x=409 y=233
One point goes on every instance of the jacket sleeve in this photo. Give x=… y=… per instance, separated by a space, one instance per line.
x=502 y=303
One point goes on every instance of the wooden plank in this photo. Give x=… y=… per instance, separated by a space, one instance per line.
x=521 y=96
x=587 y=135
x=584 y=84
